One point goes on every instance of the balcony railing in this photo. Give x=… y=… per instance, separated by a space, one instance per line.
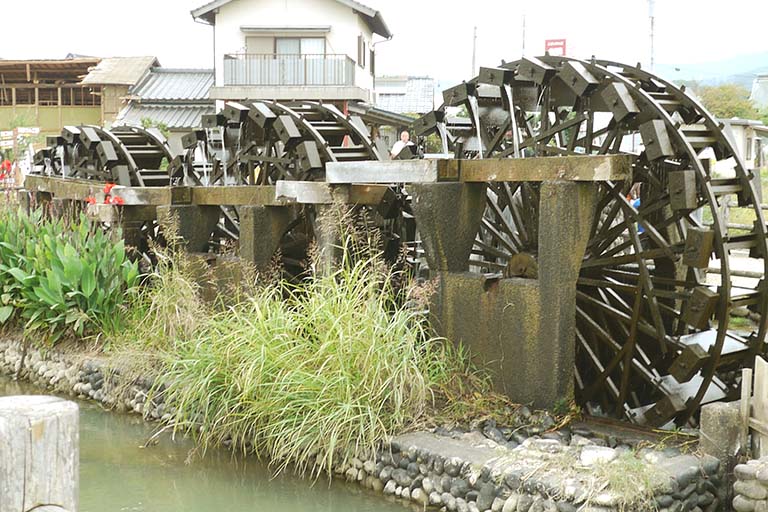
x=271 y=69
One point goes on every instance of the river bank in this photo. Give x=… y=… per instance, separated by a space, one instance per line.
x=491 y=467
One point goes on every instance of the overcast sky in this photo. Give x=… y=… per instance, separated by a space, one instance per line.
x=431 y=37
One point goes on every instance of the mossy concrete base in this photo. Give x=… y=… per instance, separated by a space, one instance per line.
x=523 y=330
x=195 y=223
x=261 y=228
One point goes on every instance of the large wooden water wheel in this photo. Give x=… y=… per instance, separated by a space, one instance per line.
x=654 y=334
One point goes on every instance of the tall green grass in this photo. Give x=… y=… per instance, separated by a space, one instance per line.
x=307 y=375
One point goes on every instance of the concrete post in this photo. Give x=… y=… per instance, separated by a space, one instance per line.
x=566 y=210
x=261 y=228
x=448 y=216
x=521 y=330
x=328 y=235
x=195 y=223
x=39 y=454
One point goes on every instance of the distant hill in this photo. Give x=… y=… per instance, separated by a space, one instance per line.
x=740 y=70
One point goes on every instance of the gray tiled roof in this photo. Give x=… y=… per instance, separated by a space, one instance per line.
x=173 y=116
x=411 y=95
x=760 y=91
x=174 y=85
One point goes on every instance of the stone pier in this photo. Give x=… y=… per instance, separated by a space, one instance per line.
x=522 y=330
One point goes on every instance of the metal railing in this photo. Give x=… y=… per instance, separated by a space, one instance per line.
x=273 y=69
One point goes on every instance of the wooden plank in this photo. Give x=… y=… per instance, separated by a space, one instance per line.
x=746 y=393
x=310 y=192
x=392 y=171
x=760 y=407
x=70 y=188
x=565 y=168
x=39 y=453
x=246 y=195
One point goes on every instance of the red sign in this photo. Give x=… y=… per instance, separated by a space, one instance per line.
x=554 y=44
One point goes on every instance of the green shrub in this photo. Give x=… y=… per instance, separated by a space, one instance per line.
x=61 y=275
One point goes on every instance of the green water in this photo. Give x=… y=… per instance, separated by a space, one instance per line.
x=118 y=474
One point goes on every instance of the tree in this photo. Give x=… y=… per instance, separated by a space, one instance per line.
x=728 y=100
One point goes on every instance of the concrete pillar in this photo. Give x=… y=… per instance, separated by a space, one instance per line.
x=328 y=233
x=39 y=454
x=720 y=426
x=566 y=211
x=448 y=217
x=261 y=228
x=195 y=223
x=521 y=330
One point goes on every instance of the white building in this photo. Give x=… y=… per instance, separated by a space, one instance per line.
x=293 y=49
x=759 y=94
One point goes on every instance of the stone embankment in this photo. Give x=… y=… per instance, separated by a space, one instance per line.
x=751 y=487
x=487 y=469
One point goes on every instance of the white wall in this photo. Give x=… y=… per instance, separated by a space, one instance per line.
x=345 y=25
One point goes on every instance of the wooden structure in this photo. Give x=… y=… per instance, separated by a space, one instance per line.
x=754 y=408
x=652 y=336
x=39 y=454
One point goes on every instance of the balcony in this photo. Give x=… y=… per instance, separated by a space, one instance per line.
x=245 y=69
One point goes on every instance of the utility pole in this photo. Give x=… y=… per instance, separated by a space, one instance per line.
x=651 y=6
x=474 y=52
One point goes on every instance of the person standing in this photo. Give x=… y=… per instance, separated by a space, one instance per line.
x=397 y=147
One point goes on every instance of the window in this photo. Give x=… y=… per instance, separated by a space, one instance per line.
x=300 y=46
x=748 y=155
x=362 y=49
x=373 y=63
x=759 y=152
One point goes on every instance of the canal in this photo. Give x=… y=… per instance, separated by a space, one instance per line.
x=118 y=474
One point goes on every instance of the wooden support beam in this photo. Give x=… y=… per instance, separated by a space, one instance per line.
x=565 y=168
x=285 y=193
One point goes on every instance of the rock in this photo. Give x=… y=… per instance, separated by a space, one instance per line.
x=495 y=435
x=762 y=475
x=497 y=504
x=413 y=470
x=564 y=506
x=461 y=505
x=420 y=497
x=350 y=474
x=428 y=485
x=472 y=496
x=452 y=466
x=435 y=499
x=401 y=477
x=405 y=493
x=445 y=483
x=416 y=482
x=485 y=496
x=369 y=466
x=389 y=489
x=437 y=464
x=472 y=506
x=511 y=504
x=524 y=503
x=449 y=501
x=459 y=487
x=751 y=489
x=377 y=485
x=742 y=504
x=386 y=473
x=745 y=472
x=664 y=501
x=591 y=455
x=399 y=491
x=705 y=499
